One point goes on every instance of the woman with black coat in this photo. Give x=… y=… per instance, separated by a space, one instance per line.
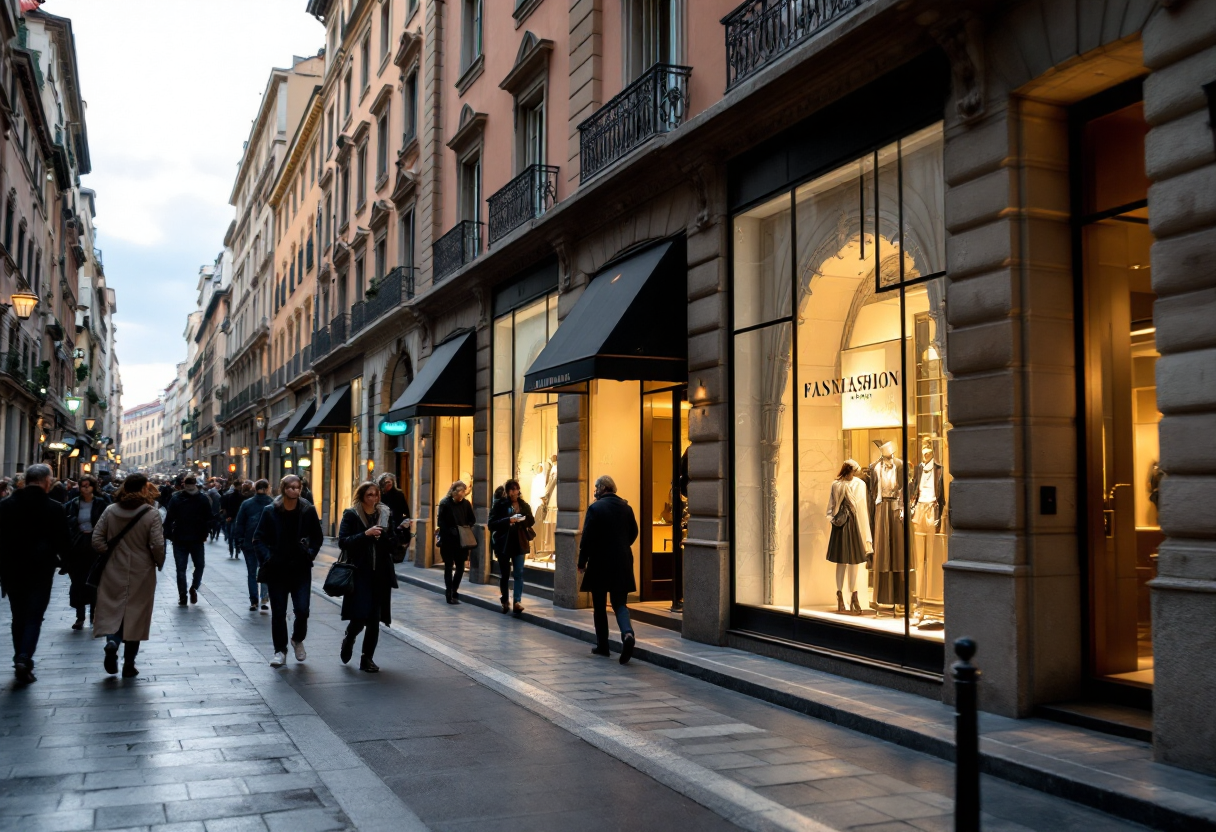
x=454 y=511
x=510 y=527
x=368 y=538
x=80 y=531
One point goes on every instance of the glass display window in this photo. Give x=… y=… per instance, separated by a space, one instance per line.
x=841 y=468
x=524 y=425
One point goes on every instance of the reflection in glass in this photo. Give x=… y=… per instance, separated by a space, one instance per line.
x=762 y=263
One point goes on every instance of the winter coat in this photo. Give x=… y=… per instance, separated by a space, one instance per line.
x=189 y=516
x=34 y=540
x=375 y=578
x=448 y=517
x=285 y=559
x=128 y=584
x=230 y=503
x=505 y=536
x=81 y=558
x=609 y=530
x=247 y=519
x=399 y=509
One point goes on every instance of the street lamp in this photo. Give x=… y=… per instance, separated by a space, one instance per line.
x=73 y=403
x=23 y=304
x=260 y=421
x=90 y=423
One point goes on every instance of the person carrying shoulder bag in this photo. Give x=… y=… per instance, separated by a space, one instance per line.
x=510 y=526
x=454 y=521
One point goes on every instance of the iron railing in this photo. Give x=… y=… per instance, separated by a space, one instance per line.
x=655 y=103
x=337 y=330
x=524 y=198
x=459 y=246
x=394 y=289
x=320 y=343
x=760 y=31
x=357 y=316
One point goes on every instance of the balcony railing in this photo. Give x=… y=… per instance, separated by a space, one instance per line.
x=655 y=103
x=320 y=343
x=337 y=330
x=524 y=198
x=393 y=290
x=357 y=316
x=760 y=31
x=459 y=246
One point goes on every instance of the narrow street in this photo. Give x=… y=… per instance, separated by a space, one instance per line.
x=475 y=720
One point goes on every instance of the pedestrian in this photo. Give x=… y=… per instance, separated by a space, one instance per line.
x=243 y=529
x=290 y=531
x=368 y=536
x=305 y=491
x=213 y=494
x=230 y=504
x=187 y=523
x=454 y=521
x=131 y=529
x=83 y=512
x=393 y=497
x=19 y=481
x=510 y=527
x=33 y=545
x=73 y=490
x=58 y=493
x=166 y=494
x=6 y=487
x=605 y=563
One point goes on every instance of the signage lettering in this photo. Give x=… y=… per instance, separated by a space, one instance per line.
x=550 y=381
x=851 y=384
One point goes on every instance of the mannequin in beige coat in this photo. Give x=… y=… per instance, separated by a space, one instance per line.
x=128 y=585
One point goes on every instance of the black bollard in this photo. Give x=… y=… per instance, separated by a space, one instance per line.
x=967 y=739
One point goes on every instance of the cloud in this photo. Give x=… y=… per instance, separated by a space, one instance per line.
x=144 y=382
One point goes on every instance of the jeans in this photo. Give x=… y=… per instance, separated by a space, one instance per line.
x=599 y=600
x=505 y=566
x=28 y=601
x=130 y=648
x=300 y=592
x=252 y=561
x=183 y=552
x=228 y=536
x=370 y=638
x=453 y=571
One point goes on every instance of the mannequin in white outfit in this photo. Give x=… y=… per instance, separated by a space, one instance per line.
x=850 y=543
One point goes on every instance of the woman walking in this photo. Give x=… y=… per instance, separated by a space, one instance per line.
x=454 y=521
x=131 y=529
x=83 y=514
x=368 y=537
x=510 y=527
x=849 y=544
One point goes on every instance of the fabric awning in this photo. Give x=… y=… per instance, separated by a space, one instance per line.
x=629 y=325
x=333 y=416
x=295 y=426
x=446 y=386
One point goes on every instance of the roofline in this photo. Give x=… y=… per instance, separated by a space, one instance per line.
x=84 y=164
x=277 y=75
x=317 y=103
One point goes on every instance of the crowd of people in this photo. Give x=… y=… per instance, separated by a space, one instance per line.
x=109 y=538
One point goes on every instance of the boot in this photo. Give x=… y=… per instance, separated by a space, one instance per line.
x=348 y=648
x=855 y=605
x=505 y=606
x=367 y=665
x=840 y=602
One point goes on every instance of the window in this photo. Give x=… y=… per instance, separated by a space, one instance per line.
x=345 y=196
x=359 y=276
x=300 y=264
x=531 y=123
x=470 y=189
x=361 y=173
x=382 y=146
x=410 y=95
x=652 y=34
x=470 y=33
x=331 y=129
x=38 y=272
x=386 y=17
x=329 y=220
x=365 y=63
x=840 y=395
x=381 y=256
x=406 y=248
x=308 y=248
x=21 y=244
x=346 y=91
x=8 y=225
x=291 y=274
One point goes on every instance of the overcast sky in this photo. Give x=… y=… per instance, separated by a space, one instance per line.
x=172 y=88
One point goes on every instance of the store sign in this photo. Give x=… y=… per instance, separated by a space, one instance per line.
x=395 y=428
x=869 y=387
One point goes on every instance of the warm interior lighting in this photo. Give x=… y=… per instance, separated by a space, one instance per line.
x=1148 y=330
x=89 y=424
x=305 y=462
x=287 y=463
x=75 y=453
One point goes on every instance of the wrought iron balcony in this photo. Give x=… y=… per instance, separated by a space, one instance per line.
x=357 y=317
x=459 y=246
x=337 y=330
x=760 y=31
x=320 y=343
x=655 y=103
x=394 y=289
x=524 y=198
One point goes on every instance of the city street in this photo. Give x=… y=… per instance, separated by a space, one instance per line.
x=476 y=721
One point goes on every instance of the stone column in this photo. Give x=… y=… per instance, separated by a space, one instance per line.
x=1180 y=49
x=482 y=493
x=573 y=496
x=425 y=553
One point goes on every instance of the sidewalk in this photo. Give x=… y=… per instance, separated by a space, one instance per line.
x=1112 y=774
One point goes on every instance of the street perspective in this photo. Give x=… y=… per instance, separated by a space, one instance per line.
x=608 y=415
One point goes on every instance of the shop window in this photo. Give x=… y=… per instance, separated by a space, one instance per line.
x=840 y=397
x=524 y=425
x=453 y=454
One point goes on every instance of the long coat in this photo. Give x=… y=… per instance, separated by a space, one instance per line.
x=283 y=558
x=128 y=585
x=34 y=542
x=609 y=530
x=82 y=556
x=375 y=578
x=505 y=537
x=449 y=516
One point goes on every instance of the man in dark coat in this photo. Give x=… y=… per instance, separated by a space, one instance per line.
x=34 y=544
x=291 y=533
x=230 y=504
x=605 y=562
x=187 y=523
x=248 y=516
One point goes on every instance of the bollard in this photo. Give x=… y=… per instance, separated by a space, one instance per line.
x=966 y=739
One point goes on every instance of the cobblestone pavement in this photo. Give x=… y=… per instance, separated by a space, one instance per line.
x=477 y=720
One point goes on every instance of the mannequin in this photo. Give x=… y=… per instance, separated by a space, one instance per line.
x=850 y=543
x=886 y=481
x=928 y=494
x=546 y=515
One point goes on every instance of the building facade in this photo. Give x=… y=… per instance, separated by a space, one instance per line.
x=142 y=446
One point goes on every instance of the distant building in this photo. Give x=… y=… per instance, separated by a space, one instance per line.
x=142 y=437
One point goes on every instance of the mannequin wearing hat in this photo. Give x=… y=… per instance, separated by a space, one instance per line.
x=928 y=496
x=886 y=481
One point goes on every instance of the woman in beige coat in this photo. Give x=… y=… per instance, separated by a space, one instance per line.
x=128 y=584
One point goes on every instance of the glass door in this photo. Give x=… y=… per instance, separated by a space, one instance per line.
x=664 y=520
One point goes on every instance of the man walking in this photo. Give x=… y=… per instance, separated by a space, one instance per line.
x=33 y=545
x=244 y=528
x=213 y=494
x=230 y=504
x=187 y=523
x=290 y=531
x=605 y=562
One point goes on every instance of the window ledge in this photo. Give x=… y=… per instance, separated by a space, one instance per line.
x=523 y=9
x=342 y=228
x=359 y=207
x=350 y=119
x=367 y=88
x=381 y=181
x=385 y=60
x=471 y=74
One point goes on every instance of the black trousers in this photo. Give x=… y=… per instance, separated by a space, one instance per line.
x=28 y=601
x=453 y=571
x=599 y=603
x=371 y=636
x=129 y=648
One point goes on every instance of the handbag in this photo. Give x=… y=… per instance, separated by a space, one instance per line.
x=340 y=578
x=843 y=511
x=468 y=540
x=99 y=565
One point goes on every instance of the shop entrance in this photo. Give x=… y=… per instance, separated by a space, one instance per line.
x=1117 y=385
x=663 y=523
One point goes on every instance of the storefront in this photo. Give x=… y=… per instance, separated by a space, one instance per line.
x=341 y=470
x=841 y=460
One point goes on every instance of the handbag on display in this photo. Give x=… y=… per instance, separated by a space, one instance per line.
x=468 y=540
x=340 y=578
x=99 y=565
x=843 y=511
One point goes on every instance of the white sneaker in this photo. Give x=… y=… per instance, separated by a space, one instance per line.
x=301 y=654
x=279 y=660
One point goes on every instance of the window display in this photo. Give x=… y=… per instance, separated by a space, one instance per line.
x=841 y=462
x=525 y=424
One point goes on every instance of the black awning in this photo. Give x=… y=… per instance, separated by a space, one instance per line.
x=629 y=325
x=302 y=416
x=333 y=416
x=446 y=385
